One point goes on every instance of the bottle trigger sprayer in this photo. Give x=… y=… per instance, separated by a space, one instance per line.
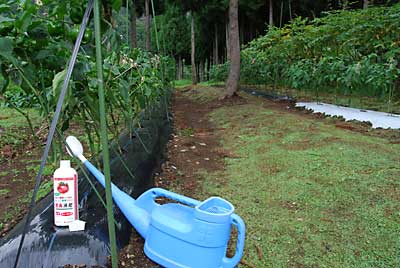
x=65 y=181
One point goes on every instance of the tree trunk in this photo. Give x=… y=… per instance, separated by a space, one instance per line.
x=193 y=54
x=209 y=68
x=183 y=69
x=228 y=51
x=232 y=84
x=365 y=4
x=180 y=67
x=202 y=72
x=147 y=24
x=271 y=13
x=133 y=26
x=216 y=56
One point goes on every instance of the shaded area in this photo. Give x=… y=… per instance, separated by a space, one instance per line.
x=267 y=95
x=47 y=246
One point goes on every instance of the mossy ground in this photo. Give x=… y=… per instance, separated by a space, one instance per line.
x=311 y=194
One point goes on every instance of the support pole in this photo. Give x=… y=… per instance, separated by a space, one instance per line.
x=104 y=137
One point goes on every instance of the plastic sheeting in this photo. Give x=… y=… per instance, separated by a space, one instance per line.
x=377 y=119
x=49 y=246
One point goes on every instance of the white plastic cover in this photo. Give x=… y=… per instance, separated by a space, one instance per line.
x=377 y=119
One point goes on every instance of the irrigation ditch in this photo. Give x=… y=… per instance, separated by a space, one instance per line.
x=132 y=171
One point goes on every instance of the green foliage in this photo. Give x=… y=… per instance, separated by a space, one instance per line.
x=182 y=83
x=350 y=52
x=36 y=43
x=173 y=32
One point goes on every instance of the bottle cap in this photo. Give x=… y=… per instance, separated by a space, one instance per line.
x=65 y=164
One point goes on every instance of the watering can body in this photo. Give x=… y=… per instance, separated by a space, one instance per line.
x=184 y=233
x=190 y=233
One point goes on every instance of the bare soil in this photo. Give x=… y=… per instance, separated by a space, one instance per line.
x=194 y=146
x=18 y=177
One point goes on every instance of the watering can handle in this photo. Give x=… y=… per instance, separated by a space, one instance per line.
x=159 y=192
x=241 y=229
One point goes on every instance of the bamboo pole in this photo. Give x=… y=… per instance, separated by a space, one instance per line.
x=104 y=136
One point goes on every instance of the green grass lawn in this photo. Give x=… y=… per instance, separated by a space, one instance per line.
x=312 y=195
x=185 y=82
x=14 y=127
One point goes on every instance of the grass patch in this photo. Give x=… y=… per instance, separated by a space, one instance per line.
x=212 y=83
x=312 y=195
x=43 y=191
x=4 y=191
x=14 y=128
x=10 y=118
x=204 y=94
x=47 y=171
x=186 y=82
x=182 y=83
x=186 y=132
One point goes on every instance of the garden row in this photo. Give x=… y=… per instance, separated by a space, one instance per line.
x=344 y=52
x=36 y=43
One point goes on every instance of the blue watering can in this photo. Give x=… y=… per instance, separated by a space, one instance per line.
x=184 y=234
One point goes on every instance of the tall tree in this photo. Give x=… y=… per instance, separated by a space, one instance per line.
x=365 y=4
x=133 y=25
x=232 y=84
x=228 y=52
x=192 y=6
x=216 y=45
x=175 y=33
x=147 y=24
x=271 y=13
x=193 y=50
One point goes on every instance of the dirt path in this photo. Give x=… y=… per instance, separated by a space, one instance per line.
x=194 y=146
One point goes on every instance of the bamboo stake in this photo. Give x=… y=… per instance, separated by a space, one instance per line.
x=104 y=137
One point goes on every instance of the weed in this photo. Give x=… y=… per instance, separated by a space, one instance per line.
x=4 y=192
x=47 y=171
x=186 y=132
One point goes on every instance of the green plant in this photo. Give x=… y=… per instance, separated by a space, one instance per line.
x=347 y=52
x=33 y=68
x=4 y=191
x=186 y=132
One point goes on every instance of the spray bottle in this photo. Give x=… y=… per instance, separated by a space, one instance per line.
x=65 y=181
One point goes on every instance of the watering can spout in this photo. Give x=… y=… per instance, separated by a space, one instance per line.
x=136 y=215
x=182 y=233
